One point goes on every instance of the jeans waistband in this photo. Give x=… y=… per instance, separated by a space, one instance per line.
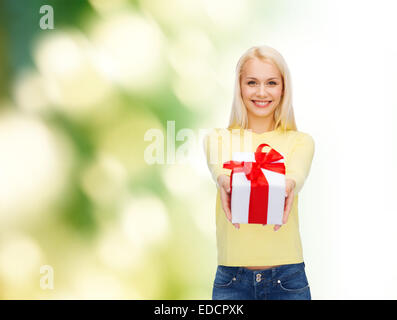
x=265 y=273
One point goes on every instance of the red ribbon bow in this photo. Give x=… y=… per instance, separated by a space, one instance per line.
x=259 y=184
x=265 y=160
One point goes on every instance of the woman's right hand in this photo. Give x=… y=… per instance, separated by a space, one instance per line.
x=224 y=188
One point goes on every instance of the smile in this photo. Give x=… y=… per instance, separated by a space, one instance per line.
x=261 y=104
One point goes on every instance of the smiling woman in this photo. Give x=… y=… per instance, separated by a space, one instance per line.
x=254 y=261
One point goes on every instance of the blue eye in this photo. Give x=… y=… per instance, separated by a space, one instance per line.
x=270 y=82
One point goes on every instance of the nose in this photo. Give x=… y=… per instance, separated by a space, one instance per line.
x=262 y=93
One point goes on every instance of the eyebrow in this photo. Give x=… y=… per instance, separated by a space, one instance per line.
x=267 y=79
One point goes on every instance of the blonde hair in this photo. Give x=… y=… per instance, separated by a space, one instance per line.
x=284 y=113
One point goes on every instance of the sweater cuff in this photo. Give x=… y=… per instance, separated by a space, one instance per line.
x=218 y=172
x=298 y=181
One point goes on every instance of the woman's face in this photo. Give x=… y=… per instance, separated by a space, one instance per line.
x=260 y=83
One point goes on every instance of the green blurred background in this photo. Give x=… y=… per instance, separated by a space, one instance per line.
x=76 y=195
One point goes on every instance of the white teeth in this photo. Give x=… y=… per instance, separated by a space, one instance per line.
x=261 y=103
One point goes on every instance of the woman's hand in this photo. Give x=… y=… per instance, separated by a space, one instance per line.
x=224 y=188
x=289 y=190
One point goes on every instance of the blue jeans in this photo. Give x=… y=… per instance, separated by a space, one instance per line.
x=286 y=282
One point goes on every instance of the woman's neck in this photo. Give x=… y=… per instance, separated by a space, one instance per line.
x=261 y=125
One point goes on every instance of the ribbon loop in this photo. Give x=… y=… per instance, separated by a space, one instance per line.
x=261 y=146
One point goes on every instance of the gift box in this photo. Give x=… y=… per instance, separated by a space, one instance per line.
x=257 y=183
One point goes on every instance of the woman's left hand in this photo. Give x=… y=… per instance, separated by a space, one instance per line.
x=289 y=190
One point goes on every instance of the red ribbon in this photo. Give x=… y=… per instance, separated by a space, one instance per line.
x=259 y=185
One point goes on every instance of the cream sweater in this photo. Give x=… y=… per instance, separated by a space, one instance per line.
x=255 y=244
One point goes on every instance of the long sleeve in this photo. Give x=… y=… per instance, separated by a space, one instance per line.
x=300 y=160
x=213 y=149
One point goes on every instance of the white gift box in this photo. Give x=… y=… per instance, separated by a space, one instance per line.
x=247 y=204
